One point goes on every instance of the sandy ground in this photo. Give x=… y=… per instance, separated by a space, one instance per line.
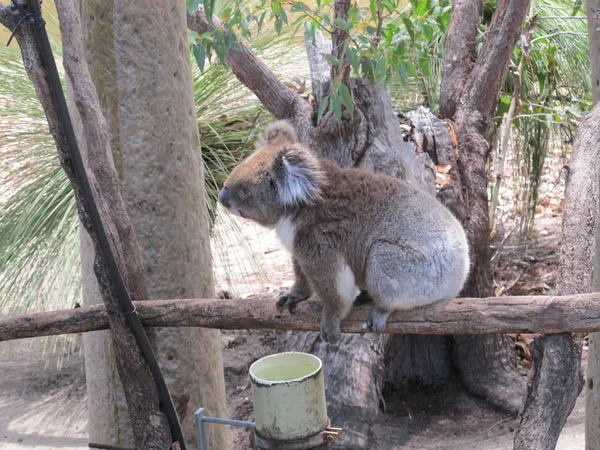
x=42 y=388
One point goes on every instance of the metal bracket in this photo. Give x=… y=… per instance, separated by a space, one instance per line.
x=200 y=417
x=326 y=437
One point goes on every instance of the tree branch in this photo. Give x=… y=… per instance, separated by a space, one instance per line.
x=461 y=53
x=494 y=57
x=279 y=100
x=526 y=314
x=338 y=40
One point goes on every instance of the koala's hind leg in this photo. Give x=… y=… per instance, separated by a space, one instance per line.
x=335 y=285
x=299 y=292
x=377 y=319
x=398 y=276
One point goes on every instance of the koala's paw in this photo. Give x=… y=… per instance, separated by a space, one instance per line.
x=331 y=334
x=287 y=300
x=376 y=320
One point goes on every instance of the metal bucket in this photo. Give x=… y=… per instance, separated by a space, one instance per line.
x=289 y=396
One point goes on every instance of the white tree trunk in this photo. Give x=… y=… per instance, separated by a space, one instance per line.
x=139 y=60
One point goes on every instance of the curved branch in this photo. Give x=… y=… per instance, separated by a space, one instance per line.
x=279 y=100
x=525 y=314
x=494 y=57
x=461 y=53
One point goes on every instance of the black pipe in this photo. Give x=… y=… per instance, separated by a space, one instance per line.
x=58 y=97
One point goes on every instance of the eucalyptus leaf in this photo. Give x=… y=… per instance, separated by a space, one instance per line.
x=192 y=6
x=336 y=106
x=347 y=99
x=322 y=106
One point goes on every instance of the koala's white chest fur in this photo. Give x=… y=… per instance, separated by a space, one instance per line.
x=286 y=232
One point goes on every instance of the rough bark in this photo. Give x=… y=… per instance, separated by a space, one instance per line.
x=556 y=379
x=593 y=20
x=140 y=390
x=486 y=364
x=592 y=399
x=521 y=314
x=461 y=53
x=144 y=80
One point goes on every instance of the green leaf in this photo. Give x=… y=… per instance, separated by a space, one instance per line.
x=411 y=69
x=347 y=99
x=278 y=25
x=424 y=63
x=220 y=45
x=332 y=60
x=343 y=24
x=421 y=8
x=209 y=7
x=284 y=16
x=426 y=30
x=409 y=27
x=381 y=69
x=199 y=55
x=353 y=59
x=192 y=6
x=322 y=107
x=367 y=68
x=309 y=31
x=402 y=72
x=276 y=7
x=299 y=7
x=336 y=105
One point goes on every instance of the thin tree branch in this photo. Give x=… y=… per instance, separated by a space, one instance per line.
x=525 y=314
x=494 y=56
x=280 y=100
x=461 y=53
x=338 y=38
x=559 y=33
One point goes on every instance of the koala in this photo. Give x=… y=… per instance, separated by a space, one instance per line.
x=349 y=232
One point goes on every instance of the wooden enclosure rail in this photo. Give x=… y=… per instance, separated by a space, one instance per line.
x=525 y=314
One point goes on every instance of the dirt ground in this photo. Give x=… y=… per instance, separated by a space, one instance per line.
x=42 y=383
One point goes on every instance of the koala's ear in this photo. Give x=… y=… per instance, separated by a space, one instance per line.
x=281 y=131
x=298 y=176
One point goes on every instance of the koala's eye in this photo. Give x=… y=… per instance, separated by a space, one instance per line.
x=244 y=192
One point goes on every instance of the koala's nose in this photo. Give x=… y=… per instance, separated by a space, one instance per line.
x=224 y=197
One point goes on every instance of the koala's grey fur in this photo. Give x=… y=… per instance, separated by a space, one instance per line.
x=349 y=229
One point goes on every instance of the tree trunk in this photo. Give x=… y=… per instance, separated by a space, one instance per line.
x=100 y=182
x=556 y=379
x=139 y=61
x=469 y=94
x=592 y=393
x=372 y=140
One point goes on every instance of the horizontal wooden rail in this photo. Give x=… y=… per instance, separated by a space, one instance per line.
x=527 y=314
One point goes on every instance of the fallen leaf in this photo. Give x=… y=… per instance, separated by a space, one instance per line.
x=443 y=169
x=440 y=178
x=453 y=137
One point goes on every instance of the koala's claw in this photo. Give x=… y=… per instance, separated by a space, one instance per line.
x=288 y=301
x=332 y=335
x=376 y=320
